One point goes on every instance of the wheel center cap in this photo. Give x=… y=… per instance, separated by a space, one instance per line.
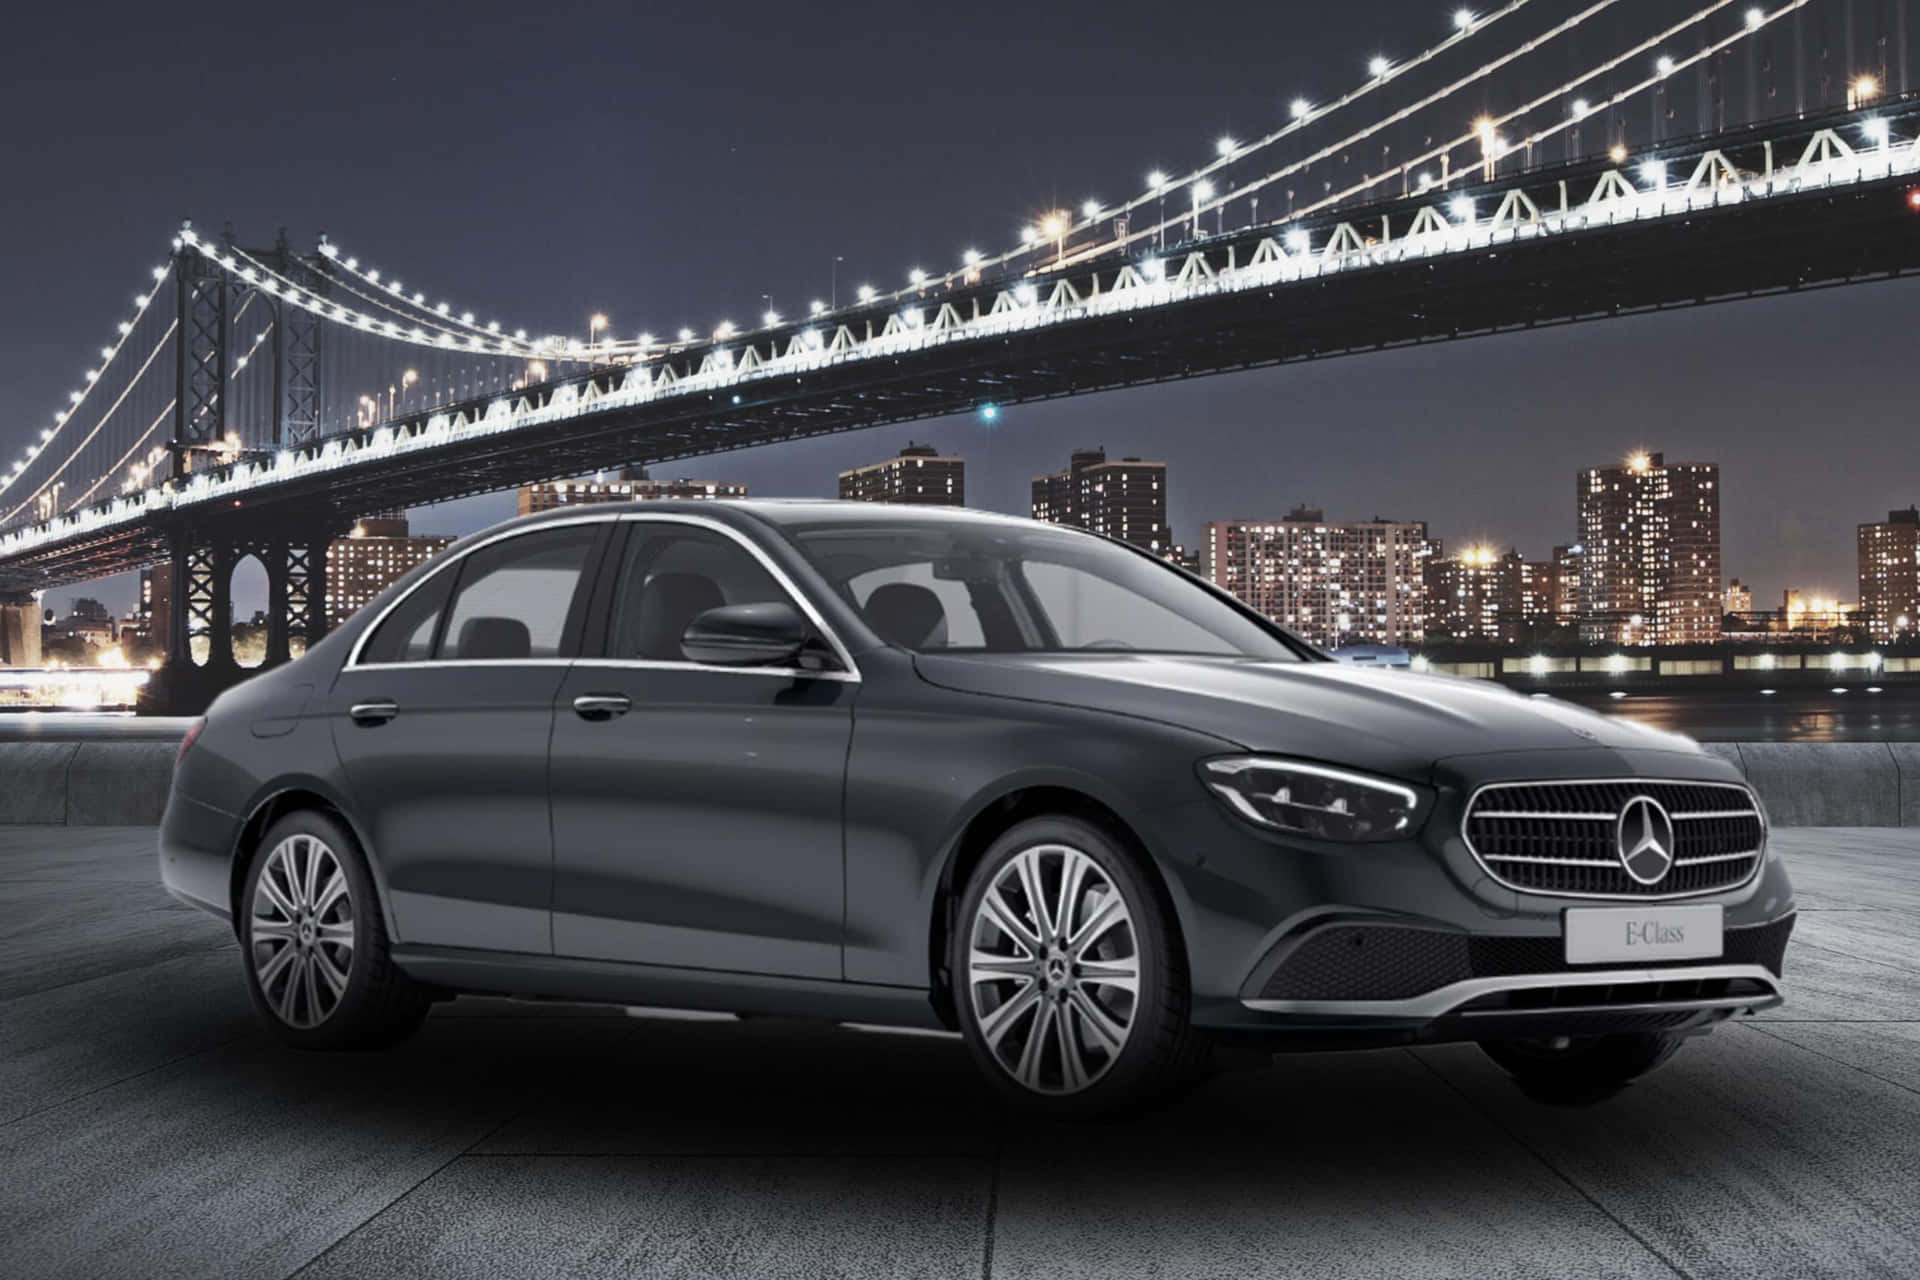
x=1056 y=970
x=306 y=931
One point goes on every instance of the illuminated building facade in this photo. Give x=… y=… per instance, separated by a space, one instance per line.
x=1890 y=574
x=1739 y=598
x=1650 y=569
x=372 y=558
x=630 y=485
x=919 y=477
x=1332 y=582
x=1126 y=499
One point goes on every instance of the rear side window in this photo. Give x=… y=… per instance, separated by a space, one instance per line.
x=514 y=597
x=511 y=600
x=406 y=634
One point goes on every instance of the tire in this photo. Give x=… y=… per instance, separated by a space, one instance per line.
x=1056 y=1029
x=322 y=979
x=1582 y=1070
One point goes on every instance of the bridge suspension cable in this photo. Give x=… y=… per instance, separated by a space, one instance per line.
x=1202 y=208
x=1541 y=135
x=1304 y=116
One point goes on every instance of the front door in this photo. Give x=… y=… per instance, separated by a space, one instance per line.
x=697 y=809
x=442 y=724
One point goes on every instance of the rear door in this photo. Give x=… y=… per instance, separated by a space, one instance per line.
x=442 y=720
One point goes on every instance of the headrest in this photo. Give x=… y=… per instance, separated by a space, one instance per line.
x=909 y=615
x=493 y=638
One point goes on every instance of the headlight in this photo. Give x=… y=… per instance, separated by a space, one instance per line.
x=1315 y=800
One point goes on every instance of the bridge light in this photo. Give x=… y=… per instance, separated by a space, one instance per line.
x=971 y=257
x=686 y=335
x=1617 y=153
x=1203 y=190
x=1756 y=18
x=770 y=318
x=1655 y=171
x=816 y=307
x=1029 y=234
x=989 y=412
x=1156 y=180
x=724 y=329
x=1664 y=65
x=1226 y=146
x=1461 y=208
x=1581 y=107
x=1025 y=294
x=1298 y=240
x=1090 y=209
x=1863 y=88
x=1877 y=131
x=1301 y=108
x=1463 y=19
x=865 y=293
x=1379 y=66
x=1153 y=269
x=917 y=277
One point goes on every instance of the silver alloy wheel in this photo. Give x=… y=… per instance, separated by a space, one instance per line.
x=301 y=931
x=1053 y=969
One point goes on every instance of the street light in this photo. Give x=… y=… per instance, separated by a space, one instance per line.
x=1054 y=227
x=1864 y=89
x=1489 y=144
x=1202 y=192
x=1157 y=183
x=595 y=323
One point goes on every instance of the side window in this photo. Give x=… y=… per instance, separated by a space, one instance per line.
x=514 y=597
x=670 y=575
x=406 y=634
x=909 y=606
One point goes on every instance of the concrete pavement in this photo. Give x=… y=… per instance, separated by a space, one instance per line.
x=148 y=1128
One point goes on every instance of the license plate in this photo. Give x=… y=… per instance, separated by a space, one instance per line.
x=1615 y=935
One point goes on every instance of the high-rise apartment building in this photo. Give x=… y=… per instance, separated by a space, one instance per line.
x=1739 y=597
x=1650 y=572
x=627 y=485
x=1474 y=595
x=1125 y=499
x=1330 y=582
x=919 y=476
x=372 y=558
x=1566 y=583
x=1890 y=574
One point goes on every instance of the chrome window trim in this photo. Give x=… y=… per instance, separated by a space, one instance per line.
x=353 y=662
x=1757 y=853
x=1443 y=1000
x=850 y=673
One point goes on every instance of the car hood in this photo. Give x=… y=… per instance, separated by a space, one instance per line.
x=1394 y=722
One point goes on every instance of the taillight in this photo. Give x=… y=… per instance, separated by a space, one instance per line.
x=192 y=736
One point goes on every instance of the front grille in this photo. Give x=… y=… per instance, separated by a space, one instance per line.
x=1562 y=837
x=1398 y=962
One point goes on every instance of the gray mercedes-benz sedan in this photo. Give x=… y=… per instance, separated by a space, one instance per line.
x=944 y=769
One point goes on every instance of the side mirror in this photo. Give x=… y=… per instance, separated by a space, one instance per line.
x=746 y=635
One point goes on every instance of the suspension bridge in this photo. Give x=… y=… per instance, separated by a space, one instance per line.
x=255 y=401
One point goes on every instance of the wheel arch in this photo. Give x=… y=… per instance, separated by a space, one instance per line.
x=294 y=795
x=993 y=818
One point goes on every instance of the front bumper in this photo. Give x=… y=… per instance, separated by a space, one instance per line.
x=1414 y=941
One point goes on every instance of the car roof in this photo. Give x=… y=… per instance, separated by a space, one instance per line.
x=787 y=512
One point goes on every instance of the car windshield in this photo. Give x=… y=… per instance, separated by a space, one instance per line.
x=993 y=588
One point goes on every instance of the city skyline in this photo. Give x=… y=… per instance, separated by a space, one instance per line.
x=1802 y=398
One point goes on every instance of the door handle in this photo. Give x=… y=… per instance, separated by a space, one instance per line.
x=602 y=706
x=378 y=711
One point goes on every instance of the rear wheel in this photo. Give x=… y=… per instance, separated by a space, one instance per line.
x=1582 y=1069
x=1071 y=982
x=318 y=963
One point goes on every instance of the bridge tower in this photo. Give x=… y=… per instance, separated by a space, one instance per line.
x=205 y=548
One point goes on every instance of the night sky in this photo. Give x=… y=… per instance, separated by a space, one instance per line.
x=670 y=164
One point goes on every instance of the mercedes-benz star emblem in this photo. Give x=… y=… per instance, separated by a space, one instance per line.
x=1644 y=836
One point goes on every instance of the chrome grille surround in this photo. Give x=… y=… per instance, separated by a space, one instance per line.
x=1557 y=837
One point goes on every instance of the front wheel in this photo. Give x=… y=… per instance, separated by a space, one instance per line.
x=1581 y=1069
x=1071 y=983
x=318 y=965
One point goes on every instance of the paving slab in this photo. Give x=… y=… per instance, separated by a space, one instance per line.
x=80 y=1037
x=1323 y=1165
x=1734 y=1160
x=532 y=1217
x=1888 y=1051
